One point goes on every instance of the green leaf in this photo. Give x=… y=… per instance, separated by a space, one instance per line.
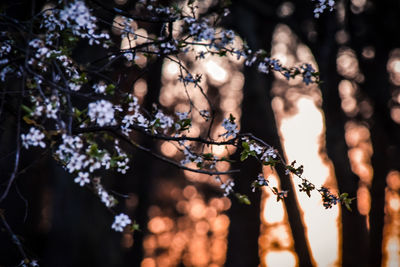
x=245 y=146
x=243 y=199
x=346 y=201
x=244 y=155
x=27 y=109
x=135 y=227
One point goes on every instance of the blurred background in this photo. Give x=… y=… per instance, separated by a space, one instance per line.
x=344 y=131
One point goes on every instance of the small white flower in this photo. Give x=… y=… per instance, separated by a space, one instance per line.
x=182 y=115
x=164 y=121
x=227 y=187
x=76 y=162
x=33 y=138
x=230 y=127
x=256 y=148
x=82 y=178
x=102 y=112
x=129 y=56
x=74 y=86
x=262 y=67
x=321 y=5
x=100 y=88
x=107 y=199
x=120 y=222
x=269 y=154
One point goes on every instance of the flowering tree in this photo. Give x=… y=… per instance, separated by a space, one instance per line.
x=86 y=119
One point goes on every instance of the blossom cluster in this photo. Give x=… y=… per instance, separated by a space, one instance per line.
x=101 y=112
x=269 y=155
x=328 y=198
x=82 y=114
x=108 y=199
x=33 y=138
x=120 y=221
x=77 y=17
x=228 y=187
x=321 y=5
x=260 y=182
x=231 y=128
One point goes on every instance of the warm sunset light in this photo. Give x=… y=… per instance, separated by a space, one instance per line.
x=307 y=126
x=280 y=258
x=200 y=133
x=301 y=134
x=216 y=72
x=392 y=217
x=199 y=237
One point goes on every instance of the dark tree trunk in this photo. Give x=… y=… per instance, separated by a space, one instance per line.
x=378 y=28
x=144 y=169
x=354 y=231
x=258 y=118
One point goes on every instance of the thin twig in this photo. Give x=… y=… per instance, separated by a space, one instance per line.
x=156 y=136
x=125 y=138
x=17 y=153
x=14 y=237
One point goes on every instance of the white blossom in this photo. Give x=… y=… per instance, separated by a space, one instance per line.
x=76 y=162
x=168 y=47
x=227 y=187
x=108 y=200
x=182 y=115
x=122 y=165
x=269 y=154
x=230 y=127
x=69 y=152
x=82 y=178
x=190 y=157
x=51 y=108
x=33 y=138
x=100 y=88
x=321 y=5
x=256 y=148
x=75 y=16
x=134 y=119
x=130 y=56
x=120 y=221
x=101 y=112
x=261 y=181
x=262 y=67
x=165 y=122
